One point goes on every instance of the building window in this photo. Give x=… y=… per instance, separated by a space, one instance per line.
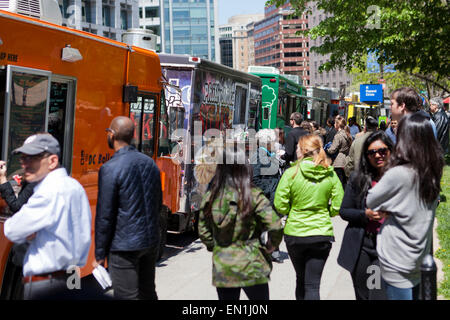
x=293 y=54
x=151 y=12
x=291 y=64
x=124 y=19
x=86 y=11
x=293 y=45
x=106 y=13
x=110 y=35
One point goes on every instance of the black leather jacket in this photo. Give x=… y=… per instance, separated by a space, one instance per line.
x=128 y=205
x=441 y=120
x=15 y=203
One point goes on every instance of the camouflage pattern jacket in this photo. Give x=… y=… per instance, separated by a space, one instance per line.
x=239 y=258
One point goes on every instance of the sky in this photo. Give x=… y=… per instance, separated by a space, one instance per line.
x=229 y=8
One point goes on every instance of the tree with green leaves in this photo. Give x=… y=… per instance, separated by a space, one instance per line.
x=398 y=79
x=411 y=34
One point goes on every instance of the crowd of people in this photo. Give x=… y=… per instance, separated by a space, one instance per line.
x=385 y=181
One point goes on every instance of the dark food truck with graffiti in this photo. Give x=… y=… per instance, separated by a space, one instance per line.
x=202 y=97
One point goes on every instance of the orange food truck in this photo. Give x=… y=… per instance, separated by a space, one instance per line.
x=72 y=84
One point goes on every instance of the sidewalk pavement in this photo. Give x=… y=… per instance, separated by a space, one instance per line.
x=187 y=275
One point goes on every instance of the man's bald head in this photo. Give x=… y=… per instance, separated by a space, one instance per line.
x=123 y=128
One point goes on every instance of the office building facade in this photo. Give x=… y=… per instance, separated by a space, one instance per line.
x=150 y=18
x=190 y=27
x=277 y=44
x=108 y=18
x=338 y=78
x=237 y=42
x=226 y=45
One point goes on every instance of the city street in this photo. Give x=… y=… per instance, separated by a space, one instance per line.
x=184 y=273
x=118 y=114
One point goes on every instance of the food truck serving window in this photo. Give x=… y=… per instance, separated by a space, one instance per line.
x=35 y=101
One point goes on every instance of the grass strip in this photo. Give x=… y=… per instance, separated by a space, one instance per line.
x=443 y=230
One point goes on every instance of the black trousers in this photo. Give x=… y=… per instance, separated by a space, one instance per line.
x=133 y=274
x=365 y=288
x=54 y=288
x=257 y=292
x=309 y=260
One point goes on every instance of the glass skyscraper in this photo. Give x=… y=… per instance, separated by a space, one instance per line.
x=189 y=27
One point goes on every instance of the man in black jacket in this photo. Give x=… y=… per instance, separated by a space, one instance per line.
x=441 y=120
x=127 y=217
x=293 y=137
x=15 y=203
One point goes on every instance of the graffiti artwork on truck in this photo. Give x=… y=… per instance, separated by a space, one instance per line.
x=178 y=97
x=216 y=98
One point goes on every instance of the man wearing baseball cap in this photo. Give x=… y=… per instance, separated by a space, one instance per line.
x=56 y=220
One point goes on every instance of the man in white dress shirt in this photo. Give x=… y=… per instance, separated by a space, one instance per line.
x=56 y=220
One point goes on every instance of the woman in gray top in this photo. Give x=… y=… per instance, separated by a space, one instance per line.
x=407 y=194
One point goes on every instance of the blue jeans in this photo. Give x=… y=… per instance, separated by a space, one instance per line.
x=394 y=293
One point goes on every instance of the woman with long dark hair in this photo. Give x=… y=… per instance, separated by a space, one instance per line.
x=233 y=215
x=408 y=194
x=358 y=249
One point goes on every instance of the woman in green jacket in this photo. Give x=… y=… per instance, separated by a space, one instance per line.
x=233 y=215
x=304 y=193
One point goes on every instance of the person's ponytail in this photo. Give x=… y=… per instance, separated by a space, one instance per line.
x=312 y=146
x=322 y=158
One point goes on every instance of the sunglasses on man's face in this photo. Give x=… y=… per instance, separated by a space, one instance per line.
x=29 y=158
x=381 y=152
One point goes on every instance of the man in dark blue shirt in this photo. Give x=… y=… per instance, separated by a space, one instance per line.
x=127 y=217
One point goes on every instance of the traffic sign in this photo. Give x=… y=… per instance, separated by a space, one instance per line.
x=371 y=93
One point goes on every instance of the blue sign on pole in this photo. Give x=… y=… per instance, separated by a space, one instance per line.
x=371 y=93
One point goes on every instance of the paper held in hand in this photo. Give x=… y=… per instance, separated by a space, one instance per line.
x=102 y=276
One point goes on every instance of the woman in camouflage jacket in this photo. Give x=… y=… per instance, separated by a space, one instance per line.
x=233 y=215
